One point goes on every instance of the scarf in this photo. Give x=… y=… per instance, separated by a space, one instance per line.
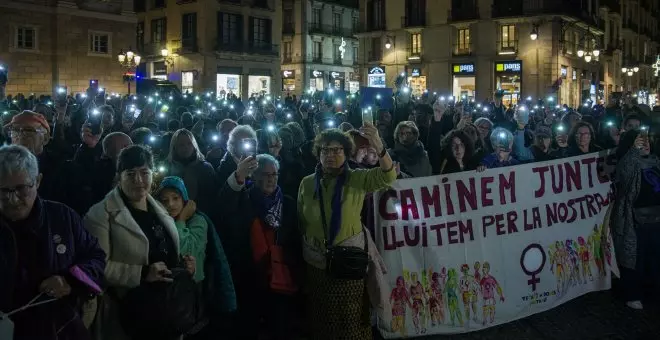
x=268 y=207
x=335 y=217
x=409 y=154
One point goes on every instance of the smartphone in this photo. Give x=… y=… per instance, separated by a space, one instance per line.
x=60 y=95
x=4 y=73
x=249 y=148
x=367 y=116
x=94 y=84
x=94 y=121
x=176 y=272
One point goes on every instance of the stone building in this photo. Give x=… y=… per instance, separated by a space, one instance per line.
x=574 y=50
x=219 y=46
x=319 y=49
x=46 y=43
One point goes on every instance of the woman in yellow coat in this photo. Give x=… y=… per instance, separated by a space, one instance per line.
x=338 y=308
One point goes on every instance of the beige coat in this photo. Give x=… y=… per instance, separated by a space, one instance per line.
x=127 y=250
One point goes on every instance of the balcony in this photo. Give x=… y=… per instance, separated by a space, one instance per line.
x=414 y=54
x=344 y=3
x=151 y=49
x=287 y=59
x=413 y=21
x=288 y=29
x=507 y=8
x=649 y=60
x=613 y=5
x=337 y=61
x=631 y=25
x=519 y=8
x=507 y=47
x=375 y=56
x=645 y=5
x=462 y=50
x=262 y=4
x=248 y=48
x=183 y=2
x=317 y=58
x=316 y=28
x=467 y=12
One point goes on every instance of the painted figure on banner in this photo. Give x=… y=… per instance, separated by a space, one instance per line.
x=452 y=297
x=595 y=245
x=558 y=259
x=477 y=271
x=572 y=265
x=470 y=293
x=436 y=297
x=585 y=257
x=418 y=294
x=400 y=300
x=489 y=286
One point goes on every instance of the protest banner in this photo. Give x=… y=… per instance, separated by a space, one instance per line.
x=473 y=250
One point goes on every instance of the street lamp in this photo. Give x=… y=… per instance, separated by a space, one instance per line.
x=535 y=33
x=167 y=57
x=388 y=43
x=129 y=61
x=630 y=70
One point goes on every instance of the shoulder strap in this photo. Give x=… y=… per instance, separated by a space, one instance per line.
x=326 y=231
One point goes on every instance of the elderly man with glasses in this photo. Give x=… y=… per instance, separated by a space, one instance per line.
x=45 y=254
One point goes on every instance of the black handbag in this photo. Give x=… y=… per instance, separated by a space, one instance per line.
x=344 y=263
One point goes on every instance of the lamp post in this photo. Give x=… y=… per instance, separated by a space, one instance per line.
x=630 y=71
x=129 y=61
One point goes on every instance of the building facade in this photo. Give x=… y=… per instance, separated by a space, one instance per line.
x=318 y=45
x=572 y=50
x=220 y=46
x=53 y=43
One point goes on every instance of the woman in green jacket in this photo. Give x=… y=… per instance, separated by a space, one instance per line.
x=338 y=308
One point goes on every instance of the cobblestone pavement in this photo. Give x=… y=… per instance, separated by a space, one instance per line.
x=600 y=315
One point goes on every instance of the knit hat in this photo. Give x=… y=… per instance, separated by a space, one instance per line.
x=176 y=183
x=29 y=117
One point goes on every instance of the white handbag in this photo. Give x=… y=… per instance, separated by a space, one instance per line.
x=7 y=326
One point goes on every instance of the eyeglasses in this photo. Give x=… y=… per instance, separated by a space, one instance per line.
x=15 y=132
x=335 y=151
x=20 y=190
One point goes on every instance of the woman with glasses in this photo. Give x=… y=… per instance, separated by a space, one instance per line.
x=329 y=206
x=137 y=233
x=45 y=253
x=263 y=247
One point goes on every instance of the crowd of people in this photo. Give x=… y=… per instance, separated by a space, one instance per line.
x=174 y=216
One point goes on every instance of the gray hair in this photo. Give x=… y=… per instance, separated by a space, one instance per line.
x=265 y=159
x=16 y=159
x=240 y=131
x=108 y=139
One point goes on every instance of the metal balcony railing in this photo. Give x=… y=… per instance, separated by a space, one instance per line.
x=248 y=48
x=288 y=29
x=413 y=21
x=187 y=45
x=507 y=46
x=462 y=49
x=414 y=53
x=317 y=28
x=463 y=14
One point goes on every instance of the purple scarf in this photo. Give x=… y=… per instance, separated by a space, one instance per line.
x=268 y=207
x=335 y=217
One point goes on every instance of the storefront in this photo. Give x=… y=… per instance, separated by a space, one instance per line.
x=508 y=78
x=316 y=80
x=464 y=81
x=229 y=81
x=288 y=80
x=416 y=81
x=337 y=80
x=259 y=81
x=159 y=70
x=353 y=82
x=187 y=81
x=376 y=76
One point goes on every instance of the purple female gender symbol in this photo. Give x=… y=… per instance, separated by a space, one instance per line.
x=533 y=273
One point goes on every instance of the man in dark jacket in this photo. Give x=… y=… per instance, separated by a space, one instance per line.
x=44 y=251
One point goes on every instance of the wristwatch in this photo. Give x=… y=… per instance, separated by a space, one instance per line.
x=383 y=153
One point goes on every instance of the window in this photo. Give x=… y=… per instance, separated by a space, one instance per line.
x=139 y=37
x=415 y=12
x=26 y=38
x=336 y=54
x=189 y=31
x=376 y=14
x=286 y=51
x=463 y=43
x=187 y=81
x=230 y=28
x=376 y=49
x=356 y=24
x=316 y=51
x=159 y=3
x=508 y=37
x=260 y=32
x=316 y=17
x=288 y=21
x=336 y=21
x=159 y=31
x=416 y=43
x=99 y=43
x=355 y=53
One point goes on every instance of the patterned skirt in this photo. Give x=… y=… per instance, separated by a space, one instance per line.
x=337 y=309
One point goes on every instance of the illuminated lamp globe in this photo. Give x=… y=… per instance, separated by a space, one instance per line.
x=580 y=53
x=635 y=69
x=596 y=53
x=587 y=58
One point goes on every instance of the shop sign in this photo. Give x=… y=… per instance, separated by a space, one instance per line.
x=574 y=75
x=415 y=72
x=564 y=72
x=336 y=75
x=160 y=68
x=317 y=74
x=377 y=70
x=463 y=68
x=509 y=66
x=288 y=74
